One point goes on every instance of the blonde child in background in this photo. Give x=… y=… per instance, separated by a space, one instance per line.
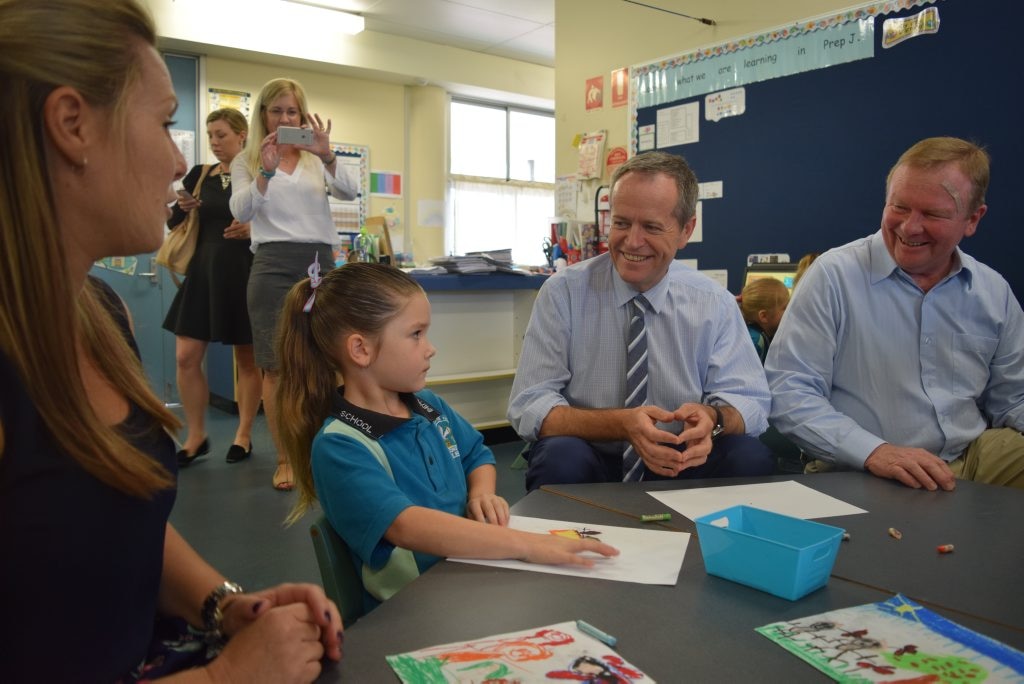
x=762 y=304
x=801 y=267
x=401 y=476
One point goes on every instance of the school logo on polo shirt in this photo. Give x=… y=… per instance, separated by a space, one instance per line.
x=446 y=434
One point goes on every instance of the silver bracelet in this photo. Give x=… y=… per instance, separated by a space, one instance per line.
x=213 y=618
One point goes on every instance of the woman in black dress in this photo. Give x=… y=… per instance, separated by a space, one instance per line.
x=210 y=305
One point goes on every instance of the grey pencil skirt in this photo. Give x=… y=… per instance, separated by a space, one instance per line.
x=276 y=267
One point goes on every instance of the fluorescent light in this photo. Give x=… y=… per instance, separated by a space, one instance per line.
x=346 y=22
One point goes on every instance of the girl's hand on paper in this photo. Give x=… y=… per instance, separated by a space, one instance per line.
x=553 y=550
x=488 y=508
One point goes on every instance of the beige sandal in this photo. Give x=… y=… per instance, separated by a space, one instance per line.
x=283 y=478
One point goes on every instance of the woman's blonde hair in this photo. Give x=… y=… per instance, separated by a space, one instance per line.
x=355 y=298
x=93 y=47
x=763 y=294
x=270 y=92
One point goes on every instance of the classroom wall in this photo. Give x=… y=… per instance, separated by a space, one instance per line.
x=428 y=164
x=593 y=37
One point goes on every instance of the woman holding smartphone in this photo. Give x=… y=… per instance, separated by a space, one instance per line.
x=279 y=187
x=210 y=306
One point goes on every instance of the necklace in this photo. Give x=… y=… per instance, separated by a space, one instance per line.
x=225 y=178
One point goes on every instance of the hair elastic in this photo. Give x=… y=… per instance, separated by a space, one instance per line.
x=314 y=281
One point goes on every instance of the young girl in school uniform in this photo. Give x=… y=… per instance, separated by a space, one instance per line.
x=762 y=303
x=402 y=477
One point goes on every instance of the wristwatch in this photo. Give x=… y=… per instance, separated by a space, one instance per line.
x=719 y=422
x=212 y=615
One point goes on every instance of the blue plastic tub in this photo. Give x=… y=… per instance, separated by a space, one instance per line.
x=780 y=554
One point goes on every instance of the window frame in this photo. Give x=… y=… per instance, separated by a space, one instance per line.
x=507 y=181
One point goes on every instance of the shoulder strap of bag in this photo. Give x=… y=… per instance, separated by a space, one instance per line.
x=195 y=193
x=202 y=177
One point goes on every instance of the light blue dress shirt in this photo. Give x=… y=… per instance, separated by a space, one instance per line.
x=574 y=352
x=864 y=357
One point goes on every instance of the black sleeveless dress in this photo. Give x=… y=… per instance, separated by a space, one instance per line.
x=211 y=305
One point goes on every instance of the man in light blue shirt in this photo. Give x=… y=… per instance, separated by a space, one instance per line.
x=704 y=376
x=899 y=353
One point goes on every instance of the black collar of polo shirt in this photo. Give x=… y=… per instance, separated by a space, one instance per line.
x=376 y=425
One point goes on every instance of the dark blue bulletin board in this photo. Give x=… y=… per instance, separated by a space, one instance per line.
x=804 y=168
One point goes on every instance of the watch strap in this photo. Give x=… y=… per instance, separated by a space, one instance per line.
x=719 y=427
x=211 y=613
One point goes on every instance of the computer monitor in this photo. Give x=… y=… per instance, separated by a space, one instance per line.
x=784 y=272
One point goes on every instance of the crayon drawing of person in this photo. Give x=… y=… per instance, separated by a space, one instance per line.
x=609 y=668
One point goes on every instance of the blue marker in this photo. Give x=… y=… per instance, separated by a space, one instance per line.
x=593 y=631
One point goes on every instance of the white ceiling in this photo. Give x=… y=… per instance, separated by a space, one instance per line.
x=515 y=29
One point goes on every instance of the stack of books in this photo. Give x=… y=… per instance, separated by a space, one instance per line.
x=464 y=264
x=479 y=262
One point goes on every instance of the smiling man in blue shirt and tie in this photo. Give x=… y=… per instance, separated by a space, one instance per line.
x=632 y=361
x=900 y=354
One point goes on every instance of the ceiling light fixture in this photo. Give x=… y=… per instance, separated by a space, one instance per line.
x=346 y=22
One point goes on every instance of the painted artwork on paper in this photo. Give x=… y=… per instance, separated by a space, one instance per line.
x=554 y=653
x=896 y=641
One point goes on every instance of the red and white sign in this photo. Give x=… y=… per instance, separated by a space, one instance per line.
x=616 y=157
x=594 y=93
x=620 y=87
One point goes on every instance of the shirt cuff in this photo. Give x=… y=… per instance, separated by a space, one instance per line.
x=853 y=449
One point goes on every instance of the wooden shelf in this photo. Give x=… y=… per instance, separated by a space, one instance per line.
x=459 y=378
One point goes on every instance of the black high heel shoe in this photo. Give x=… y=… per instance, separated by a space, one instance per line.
x=237 y=453
x=185 y=459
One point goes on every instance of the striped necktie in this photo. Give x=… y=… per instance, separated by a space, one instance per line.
x=636 y=380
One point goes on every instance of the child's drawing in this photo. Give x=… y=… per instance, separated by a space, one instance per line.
x=896 y=641
x=577 y=533
x=557 y=652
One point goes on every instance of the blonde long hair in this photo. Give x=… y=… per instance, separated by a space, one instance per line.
x=90 y=45
x=355 y=298
x=270 y=91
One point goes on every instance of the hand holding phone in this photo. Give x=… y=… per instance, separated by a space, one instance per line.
x=186 y=201
x=289 y=135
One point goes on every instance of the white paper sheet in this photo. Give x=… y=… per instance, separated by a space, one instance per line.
x=645 y=556
x=787 y=498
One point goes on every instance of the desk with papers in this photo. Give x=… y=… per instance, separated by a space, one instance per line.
x=702 y=628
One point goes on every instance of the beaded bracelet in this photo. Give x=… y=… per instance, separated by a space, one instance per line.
x=267 y=174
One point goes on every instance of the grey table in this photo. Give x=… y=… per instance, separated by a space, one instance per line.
x=983 y=522
x=702 y=629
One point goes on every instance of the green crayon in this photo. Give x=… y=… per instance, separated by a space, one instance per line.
x=655 y=517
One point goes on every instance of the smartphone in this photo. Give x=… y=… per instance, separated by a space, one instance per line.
x=288 y=135
x=185 y=195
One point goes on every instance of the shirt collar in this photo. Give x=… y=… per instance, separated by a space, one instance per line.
x=655 y=296
x=376 y=425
